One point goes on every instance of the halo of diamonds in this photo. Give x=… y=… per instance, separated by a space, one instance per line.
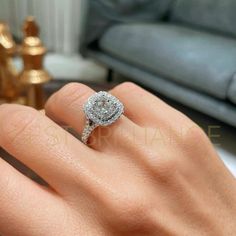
x=103 y=109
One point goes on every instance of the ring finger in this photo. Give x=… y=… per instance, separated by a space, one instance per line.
x=66 y=107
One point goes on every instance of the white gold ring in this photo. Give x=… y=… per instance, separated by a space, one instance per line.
x=101 y=109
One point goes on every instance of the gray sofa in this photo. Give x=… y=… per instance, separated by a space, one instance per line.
x=183 y=49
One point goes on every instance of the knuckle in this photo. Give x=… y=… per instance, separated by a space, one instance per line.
x=70 y=94
x=130 y=213
x=193 y=134
x=165 y=170
x=69 y=89
x=126 y=86
x=194 y=142
x=16 y=121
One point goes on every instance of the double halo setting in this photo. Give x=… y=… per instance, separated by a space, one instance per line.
x=101 y=109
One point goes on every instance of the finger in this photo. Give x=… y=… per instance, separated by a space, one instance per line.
x=145 y=109
x=66 y=106
x=40 y=144
x=24 y=205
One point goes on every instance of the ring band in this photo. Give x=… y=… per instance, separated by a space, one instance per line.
x=101 y=109
x=88 y=129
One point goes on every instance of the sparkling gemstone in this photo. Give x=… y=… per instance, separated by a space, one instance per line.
x=103 y=109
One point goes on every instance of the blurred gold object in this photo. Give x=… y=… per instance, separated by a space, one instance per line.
x=25 y=87
x=8 y=75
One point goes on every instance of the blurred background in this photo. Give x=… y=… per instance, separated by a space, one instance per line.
x=183 y=51
x=59 y=31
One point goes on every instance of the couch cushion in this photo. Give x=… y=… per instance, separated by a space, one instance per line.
x=198 y=60
x=232 y=90
x=211 y=14
x=100 y=14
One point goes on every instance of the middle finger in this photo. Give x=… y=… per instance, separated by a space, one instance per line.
x=42 y=145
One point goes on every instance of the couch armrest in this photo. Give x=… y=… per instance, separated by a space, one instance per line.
x=98 y=15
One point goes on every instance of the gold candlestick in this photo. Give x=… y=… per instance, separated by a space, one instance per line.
x=9 y=88
x=33 y=75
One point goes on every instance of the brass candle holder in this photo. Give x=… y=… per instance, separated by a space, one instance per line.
x=24 y=87
x=8 y=75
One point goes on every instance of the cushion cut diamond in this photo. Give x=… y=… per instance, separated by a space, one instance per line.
x=103 y=109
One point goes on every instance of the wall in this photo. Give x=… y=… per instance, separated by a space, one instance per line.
x=59 y=21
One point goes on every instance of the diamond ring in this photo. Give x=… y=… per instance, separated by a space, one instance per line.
x=101 y=109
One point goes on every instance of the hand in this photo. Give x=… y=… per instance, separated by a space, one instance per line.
x=153 y=172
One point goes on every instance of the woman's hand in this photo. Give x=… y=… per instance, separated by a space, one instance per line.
x=153 y=172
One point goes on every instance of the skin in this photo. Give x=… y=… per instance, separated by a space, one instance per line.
x=153 y=172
